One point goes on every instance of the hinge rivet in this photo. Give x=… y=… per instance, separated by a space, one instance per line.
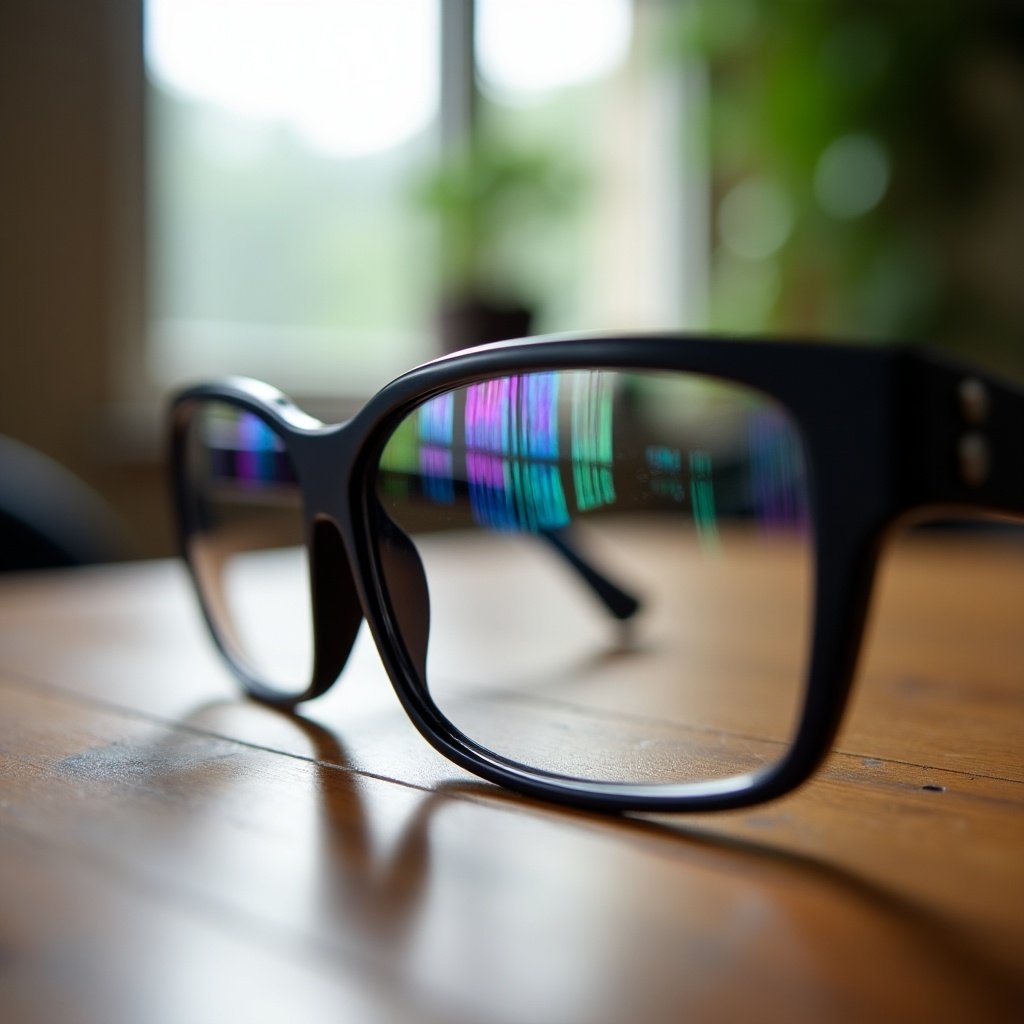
x=974 y=401
x=975 y=459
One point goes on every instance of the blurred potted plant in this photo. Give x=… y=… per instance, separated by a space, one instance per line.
x=865 y=168
x=492 y=201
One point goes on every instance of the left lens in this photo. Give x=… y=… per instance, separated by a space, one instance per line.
x=612 y=571
x=245 y=542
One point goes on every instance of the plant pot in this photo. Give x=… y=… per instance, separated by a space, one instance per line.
x=463 y=323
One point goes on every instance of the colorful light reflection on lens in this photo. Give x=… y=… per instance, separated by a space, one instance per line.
x=242 y=448
x=437 y=420
x=514 y=416
x=591 y=445
x=702 y=499
x=510 y=469
x=665 y=465
x=777 y=478
x=436 y=473
x=516 y=419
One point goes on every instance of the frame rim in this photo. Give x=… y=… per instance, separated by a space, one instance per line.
x=806 y=378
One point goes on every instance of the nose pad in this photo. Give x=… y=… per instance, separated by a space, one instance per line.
x=407 y=589
x=337 y=612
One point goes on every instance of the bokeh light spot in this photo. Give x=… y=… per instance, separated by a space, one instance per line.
x=852 y=176
x=755 y=218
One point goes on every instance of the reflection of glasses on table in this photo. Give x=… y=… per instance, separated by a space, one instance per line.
x=613 y=572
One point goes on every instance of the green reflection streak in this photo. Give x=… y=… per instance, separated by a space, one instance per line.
x=702 y=500
x=400 y=457
x=591 y=446
x=401 y=453
x=539 y=498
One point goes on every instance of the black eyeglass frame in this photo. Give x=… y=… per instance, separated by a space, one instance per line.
x=887 y=432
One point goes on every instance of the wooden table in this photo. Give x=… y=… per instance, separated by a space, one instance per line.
x=171 y=852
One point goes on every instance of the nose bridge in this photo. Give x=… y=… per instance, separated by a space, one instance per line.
x=325 y=460
x=330 y=465
x=337 y=612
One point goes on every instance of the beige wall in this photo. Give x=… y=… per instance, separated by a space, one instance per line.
x=71 y=247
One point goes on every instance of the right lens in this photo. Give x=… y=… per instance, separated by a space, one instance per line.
x=245 y=540
x=528 y=517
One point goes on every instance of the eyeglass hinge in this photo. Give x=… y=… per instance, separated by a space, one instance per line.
x=974 y=453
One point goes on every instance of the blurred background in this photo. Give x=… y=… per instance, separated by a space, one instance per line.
x=323 y=193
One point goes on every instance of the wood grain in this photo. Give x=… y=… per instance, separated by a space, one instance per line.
x=171 y=852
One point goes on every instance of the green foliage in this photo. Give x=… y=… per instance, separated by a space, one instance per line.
x=488 y=200
x=808 y=100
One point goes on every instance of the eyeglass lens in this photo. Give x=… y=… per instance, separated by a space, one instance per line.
x=248 y=528
x=604 y=575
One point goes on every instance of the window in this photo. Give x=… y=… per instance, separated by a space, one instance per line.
x=594 y=83
x=282 y=137
x=292 y=145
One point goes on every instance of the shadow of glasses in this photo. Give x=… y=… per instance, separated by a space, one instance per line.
x=373 y=876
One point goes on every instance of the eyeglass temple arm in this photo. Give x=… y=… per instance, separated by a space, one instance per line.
x=621 y=604
x=964 y=438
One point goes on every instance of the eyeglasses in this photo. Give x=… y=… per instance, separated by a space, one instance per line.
x=623 y=573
